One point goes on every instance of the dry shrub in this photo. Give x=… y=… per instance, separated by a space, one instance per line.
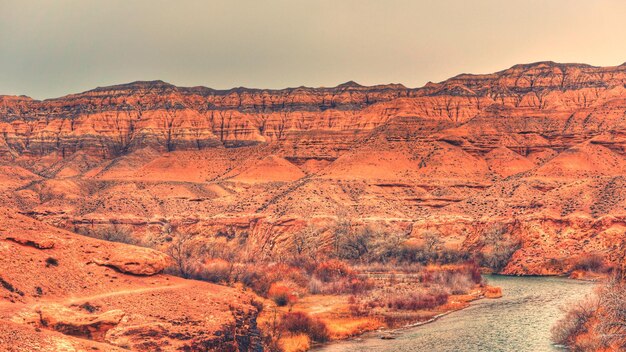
x=282 y=294
x=260 y=277
x=213 y=270
x=257 y=304
x=413 y=300
x=343 y=286
x=459 y=284
x=411 y=292
x=568 y=328
x=295 y=343
x=50 y=261
x=357 y=309
x=254 y=278
x=303 y=323
x=456 y=279
x=336 y=277
x=403 y=267
x=590 y=262
x=596 y=324
x=333 y=269
x=315 y=286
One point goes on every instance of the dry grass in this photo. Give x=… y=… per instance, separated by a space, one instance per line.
x=295 y=343
x=342 y=328
x=568 y=329
x=335 y=311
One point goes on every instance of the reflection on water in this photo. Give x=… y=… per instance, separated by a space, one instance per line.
x=520 y=321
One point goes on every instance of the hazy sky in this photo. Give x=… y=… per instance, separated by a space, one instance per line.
x=53 y=48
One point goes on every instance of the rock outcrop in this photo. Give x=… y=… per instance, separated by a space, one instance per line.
x=140 y=261
x=308 y=122
x=70 y=322
x=537 y=148
x=57 y=298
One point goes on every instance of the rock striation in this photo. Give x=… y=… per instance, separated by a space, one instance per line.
x=538 y=149
x=309 y=122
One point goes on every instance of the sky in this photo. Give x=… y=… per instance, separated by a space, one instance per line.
x=53 y=48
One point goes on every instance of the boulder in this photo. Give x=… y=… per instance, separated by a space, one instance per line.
x=70 y=322
x=134 y=260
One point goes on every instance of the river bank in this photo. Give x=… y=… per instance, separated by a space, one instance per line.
x=394 y=300
x=520 y=321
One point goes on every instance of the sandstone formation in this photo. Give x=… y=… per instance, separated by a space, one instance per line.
x=58 y=299
x=143 y=261
x=537 y=150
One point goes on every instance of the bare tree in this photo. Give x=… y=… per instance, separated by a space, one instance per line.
x=114 y=233
x=342 y=229
x=432 y=241
x=612 y=317
x=306 y=241
x=357 y=244
x=502 y=243
x=184 y=252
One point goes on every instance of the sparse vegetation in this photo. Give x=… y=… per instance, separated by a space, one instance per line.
x=592 y=262
x=416 y=289
x=499 y=245
x=9 y=287
x=385 y=276
x=50 y=261
x=303 y=323
x=89 y=307
x=596 y=323
x=282 y=294
x=110 y=232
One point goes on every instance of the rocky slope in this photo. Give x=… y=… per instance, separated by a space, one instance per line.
x=60 y=291
x=537 y=149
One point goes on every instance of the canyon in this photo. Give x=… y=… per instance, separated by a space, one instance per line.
x=534 y=153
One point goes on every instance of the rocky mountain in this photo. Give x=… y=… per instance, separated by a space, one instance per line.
x=509 y=144
x=113 y=121
x=537 y=150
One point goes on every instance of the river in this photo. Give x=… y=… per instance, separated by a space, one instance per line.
x=519 y=321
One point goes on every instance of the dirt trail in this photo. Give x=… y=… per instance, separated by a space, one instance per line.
x=75 y=300
x=8 y=309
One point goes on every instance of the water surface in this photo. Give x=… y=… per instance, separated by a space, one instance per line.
x=520 y=321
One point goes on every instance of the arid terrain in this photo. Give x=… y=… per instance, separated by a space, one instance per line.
x=519 y=172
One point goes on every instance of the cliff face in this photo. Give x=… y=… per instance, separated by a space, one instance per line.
x=538 y=148
x=113 y=121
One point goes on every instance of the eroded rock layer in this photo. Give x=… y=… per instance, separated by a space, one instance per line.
x=60 y=291
x=538 y=149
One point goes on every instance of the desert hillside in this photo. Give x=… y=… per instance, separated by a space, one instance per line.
x=526 y=165
x=538 y=148
x=64 y=292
